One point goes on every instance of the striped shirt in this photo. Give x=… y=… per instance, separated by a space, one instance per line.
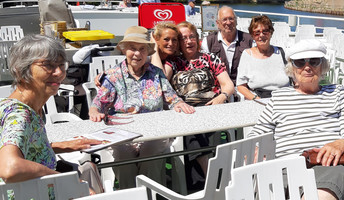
x=302 y=121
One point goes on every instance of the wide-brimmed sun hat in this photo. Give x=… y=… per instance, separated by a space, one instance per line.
x=137 y=34
x=309 y=48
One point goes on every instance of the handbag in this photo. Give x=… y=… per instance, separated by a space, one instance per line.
x=311 y=158
x=194 y=86
x=263 y=93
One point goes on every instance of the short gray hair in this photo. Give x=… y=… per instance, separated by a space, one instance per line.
x=29 y=49
x=223 y=8
x=289 y=69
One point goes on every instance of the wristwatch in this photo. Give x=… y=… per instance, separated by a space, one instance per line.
x=226 y=94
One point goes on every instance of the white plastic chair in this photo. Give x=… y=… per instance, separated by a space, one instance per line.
x=99 y=65
x=5 y=91
x=65 y=186
x=305 y=31
x=228 y=156
x=107 y=174
x=243 y=23
x=139 y=193
x=5 y=46
x=268 y=181
x=88 y=87
x=52 y=116
x=280 y=36
x=11 y=33
x=102 y=63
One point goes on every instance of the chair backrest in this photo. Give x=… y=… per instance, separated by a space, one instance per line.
x=152 y=13
x=50 y=109
x=281 y=34
x=243 y=24
x=101 y=64
x=126 y=194
x=11 y=33
x=65 y=90
x=233 y=155
x=5 y=46
x=63 y=186
x=5 y=91
x=268 y=181
x=306 y=31
x=68 y=91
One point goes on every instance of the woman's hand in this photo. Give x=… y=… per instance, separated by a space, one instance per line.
x=330 y=153
x=243 y=89
x=74 y=145
x=97 y=81
x=217 y=100
x=95 y=115
x=186 y=108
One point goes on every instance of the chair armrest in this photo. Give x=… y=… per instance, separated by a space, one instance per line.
x=63 y=117
x=142 y=180
x=86 y=86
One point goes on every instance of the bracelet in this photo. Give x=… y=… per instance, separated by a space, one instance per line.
x=255 y=96
x=226 y=94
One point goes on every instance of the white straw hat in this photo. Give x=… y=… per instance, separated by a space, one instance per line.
x=137 y=34
x=309 y=48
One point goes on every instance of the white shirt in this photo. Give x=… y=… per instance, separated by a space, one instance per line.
x=265 y=73
x=230 y=49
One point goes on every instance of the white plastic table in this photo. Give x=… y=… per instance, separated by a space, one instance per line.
x=169 y=124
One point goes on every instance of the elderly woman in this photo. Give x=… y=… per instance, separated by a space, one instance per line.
x=261 y=68
x=38 y=66
x=309 y=116
x=200 y=79
x=165 y=37
x=136 y=86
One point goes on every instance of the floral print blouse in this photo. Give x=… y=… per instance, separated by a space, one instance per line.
x=21 y=126
x=122 y=93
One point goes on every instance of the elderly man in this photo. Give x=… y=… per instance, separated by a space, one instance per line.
x=228 y=43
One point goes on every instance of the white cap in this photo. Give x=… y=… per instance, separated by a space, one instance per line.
x=309 y=48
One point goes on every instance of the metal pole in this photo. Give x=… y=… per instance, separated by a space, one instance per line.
x=156 y=157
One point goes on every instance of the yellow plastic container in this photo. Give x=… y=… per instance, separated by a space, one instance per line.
x=88 y=35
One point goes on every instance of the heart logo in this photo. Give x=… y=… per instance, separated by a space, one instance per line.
x=163 y=14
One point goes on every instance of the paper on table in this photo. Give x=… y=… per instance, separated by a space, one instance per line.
x=109 y=136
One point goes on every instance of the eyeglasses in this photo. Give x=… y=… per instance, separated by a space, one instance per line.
x=314 y=62
x=50 y=67
x=231 y=19
x=265 y=32
x=191 y=37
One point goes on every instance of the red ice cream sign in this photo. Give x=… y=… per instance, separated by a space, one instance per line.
x=152 y=13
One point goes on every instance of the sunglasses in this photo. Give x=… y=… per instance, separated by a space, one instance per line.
x=313 y=62
x=265 y=32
